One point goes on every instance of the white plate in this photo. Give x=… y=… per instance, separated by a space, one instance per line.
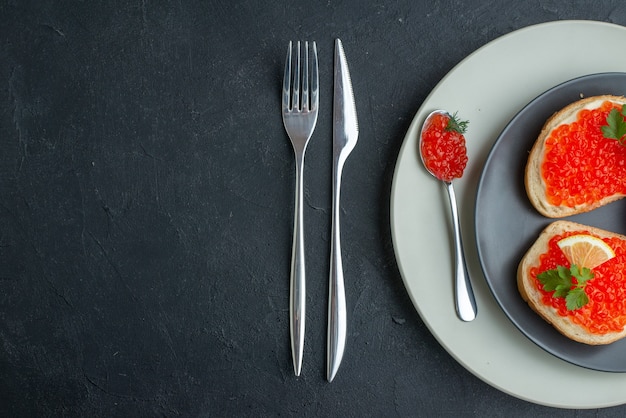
x=488 y=88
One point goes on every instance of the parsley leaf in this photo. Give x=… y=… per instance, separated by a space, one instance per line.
x=560 y=281
x=582 y=276
x=616 y=128
x=576 y=299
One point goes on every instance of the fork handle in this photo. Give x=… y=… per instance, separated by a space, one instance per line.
x=337 y=315
x=297 y=291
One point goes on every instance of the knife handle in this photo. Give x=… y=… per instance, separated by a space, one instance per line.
x=297 y=287
x=337 y=316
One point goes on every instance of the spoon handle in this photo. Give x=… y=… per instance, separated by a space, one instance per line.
x=464 y=296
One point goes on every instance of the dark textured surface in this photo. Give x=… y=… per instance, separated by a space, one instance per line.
x=146 y=198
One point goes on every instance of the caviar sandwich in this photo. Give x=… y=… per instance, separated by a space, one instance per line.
x=574 y=277
x=578 y=162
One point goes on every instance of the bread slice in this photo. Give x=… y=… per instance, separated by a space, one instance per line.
x=535 y=184
x=529 y=292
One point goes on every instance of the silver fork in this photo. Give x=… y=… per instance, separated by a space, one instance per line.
x=300 y=105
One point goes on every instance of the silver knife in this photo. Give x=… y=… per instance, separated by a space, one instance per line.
x=345 y=134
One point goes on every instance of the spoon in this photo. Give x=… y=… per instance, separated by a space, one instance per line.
x=463 y=294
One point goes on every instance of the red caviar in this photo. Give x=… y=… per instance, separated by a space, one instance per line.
x=443 y=150
x=580 y=165
x=606 y=310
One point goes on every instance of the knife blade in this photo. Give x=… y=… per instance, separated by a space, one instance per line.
x=345 y=134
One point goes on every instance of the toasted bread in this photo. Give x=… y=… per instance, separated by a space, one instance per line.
x=534 y=181
x=527 y=285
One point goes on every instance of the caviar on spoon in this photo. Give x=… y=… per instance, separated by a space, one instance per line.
x=443 y=152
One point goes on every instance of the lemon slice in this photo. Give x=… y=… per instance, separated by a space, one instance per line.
x=586 y=250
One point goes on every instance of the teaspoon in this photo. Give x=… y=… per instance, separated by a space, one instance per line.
x=464 y=296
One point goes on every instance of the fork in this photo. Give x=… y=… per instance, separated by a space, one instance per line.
x=300 y=106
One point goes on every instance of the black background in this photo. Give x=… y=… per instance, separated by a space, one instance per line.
x=146 y=207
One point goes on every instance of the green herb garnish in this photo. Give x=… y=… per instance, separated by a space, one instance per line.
x=560 y=281
x=456 y=125
x=616 y=128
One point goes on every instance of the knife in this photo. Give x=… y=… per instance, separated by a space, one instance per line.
x=345 y=134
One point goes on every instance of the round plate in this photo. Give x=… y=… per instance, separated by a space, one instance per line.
x=503 y=211
x=489 y=88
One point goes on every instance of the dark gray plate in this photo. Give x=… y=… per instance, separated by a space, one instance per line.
x=507 y=225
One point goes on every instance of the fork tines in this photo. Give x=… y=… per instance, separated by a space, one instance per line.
x=301 y=98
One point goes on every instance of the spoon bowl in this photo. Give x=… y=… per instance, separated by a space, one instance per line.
x=465 y=302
